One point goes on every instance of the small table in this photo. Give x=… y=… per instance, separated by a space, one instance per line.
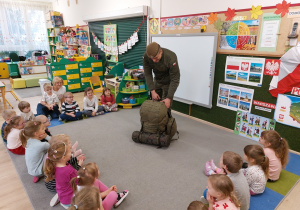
x=2 y=88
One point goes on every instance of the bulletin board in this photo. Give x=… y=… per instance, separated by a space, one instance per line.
x=284 y=31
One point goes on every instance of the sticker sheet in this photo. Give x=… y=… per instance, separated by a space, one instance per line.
x=251 y=126
x=235 y=98
x=244 y=70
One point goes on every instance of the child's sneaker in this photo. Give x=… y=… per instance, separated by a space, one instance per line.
x=121 y=197
x=114 y=109
x=100 y=113
x=54 y=200
x=35 y=179
x=212 y=164
x=208 y=169
x=65 y=206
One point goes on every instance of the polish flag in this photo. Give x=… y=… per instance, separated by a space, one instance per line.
x=232 y=65
x=289 y=73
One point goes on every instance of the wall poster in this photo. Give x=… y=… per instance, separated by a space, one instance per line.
x=288 y=110
x=110 y=41
x=235 y=98
x=251 y=126
x=244 y=70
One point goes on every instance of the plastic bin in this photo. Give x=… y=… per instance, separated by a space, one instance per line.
x=42 y=82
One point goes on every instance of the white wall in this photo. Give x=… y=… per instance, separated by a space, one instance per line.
x=73 y=14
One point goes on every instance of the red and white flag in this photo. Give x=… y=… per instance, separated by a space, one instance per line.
x=289 y=73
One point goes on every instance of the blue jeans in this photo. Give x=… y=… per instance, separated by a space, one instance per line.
x=42 y=110
x=78 y=116
x=89 y=112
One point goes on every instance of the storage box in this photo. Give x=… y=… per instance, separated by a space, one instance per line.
x=125 y=100
x=132 y=101
x=127 y=77
x=142 y=87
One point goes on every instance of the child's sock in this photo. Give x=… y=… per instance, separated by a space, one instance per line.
x=219 y=171
x=35 y=179
x=208 y=169
x=212 y=164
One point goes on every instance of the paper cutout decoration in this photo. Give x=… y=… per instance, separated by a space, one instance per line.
x=255 y=12
x=282 y=8
x=272 y=67
x=229 y=14
x=212 y=18
x=218 y=24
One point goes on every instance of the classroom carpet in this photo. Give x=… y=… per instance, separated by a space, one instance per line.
x=29 y=92
x=164 y=179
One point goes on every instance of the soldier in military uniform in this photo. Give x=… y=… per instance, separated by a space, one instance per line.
x=165 y=67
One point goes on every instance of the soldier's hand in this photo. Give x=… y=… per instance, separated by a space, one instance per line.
x=154 y=95
x=167 y=102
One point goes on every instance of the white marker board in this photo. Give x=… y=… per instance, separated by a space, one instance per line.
x=196 y=54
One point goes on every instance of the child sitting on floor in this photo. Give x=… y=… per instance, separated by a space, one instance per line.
x=45 y=122
x=258 y=169
x=70 y=110
x=11 y=133
x=7 y=115
x=276 y=149
x=108 y=101
x=26 y=112
x=87 y=198
x=88 y=176
x=90 y=104
x=220 y=193
x=31 y=137
x=50 y=102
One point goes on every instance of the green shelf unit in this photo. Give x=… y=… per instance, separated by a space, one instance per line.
x=52 y=34
x=140 y=95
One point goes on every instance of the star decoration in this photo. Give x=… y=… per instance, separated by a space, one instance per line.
x=255 y=12
x=282 y=8
x=218 y=24
x=212 y=18
x=229 y=14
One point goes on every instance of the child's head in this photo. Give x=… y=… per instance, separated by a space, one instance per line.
x=61 y=138
x=44 y=120
x=231 y=162
x=255 y=155
x=15 y=122
x=68 y=97
x=220 y=186
x=272 y=139
x=24 y=106
x=86 y=198
x=197 y=205
x=86 y=176
x=48 y=88
x=88 y=92
x=32 y=129
x=106 y=92
x=8 y=114
x=58 y=152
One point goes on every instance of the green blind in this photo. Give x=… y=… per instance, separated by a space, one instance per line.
x=125 y=28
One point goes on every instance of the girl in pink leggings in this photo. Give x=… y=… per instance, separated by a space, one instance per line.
x=88 y=175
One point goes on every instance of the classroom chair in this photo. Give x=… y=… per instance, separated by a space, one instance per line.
x=12 y=88
x=4 y=92
x=95 y=81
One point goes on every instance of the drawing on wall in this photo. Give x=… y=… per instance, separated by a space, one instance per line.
x=235 y=98
x=244 y=70
x=287 y=110
x=239 y=35
x=251 y=126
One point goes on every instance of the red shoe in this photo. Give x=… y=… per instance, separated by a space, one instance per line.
x=35 y=179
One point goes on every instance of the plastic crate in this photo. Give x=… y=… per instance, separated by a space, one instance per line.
x=132 y=101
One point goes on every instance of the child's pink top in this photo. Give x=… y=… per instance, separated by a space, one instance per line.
x=274 y=164
x=225 y=204
x=13 y=139
x=105 y=99
x=63 y=176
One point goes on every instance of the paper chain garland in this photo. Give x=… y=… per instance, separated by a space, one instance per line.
x=124 y=47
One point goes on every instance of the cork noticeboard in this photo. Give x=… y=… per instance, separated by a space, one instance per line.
x=284 y=30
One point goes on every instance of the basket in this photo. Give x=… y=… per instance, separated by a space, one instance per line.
x=125 y=100
x=132 y=101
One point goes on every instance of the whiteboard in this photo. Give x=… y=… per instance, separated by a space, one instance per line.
x=196 y=54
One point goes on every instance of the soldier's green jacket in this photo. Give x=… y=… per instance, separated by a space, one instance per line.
x=166 y=71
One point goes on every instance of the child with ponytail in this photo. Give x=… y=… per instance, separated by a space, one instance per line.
x=12 y=134
x=31 y=137
x=56 y=167
x=220 y=193
x=87 y=198
x=87 y=176
x=276 y=149
x=258 y=168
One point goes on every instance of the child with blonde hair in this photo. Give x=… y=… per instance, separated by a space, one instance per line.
x=108 y=101
x=197 y=205
x=70 y=110
x=87 y=198
x=12 y=134
x=276 y=149
x=50 y=102
x=87 y=176
x=258 y=168
x=90 y=104
x=57 y=167
x=7 y=116
x=31 y=137
x=26 y=112
x=220 y=193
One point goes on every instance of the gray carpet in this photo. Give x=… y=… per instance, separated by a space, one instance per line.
x=29 y=92
x=162 y=179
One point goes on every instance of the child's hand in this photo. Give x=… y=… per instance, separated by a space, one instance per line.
x=109 y=104
x=93 y=113
x=113 y=188
x=81 y=157
x=80 y=161
x=210 y=198
x=72 y=115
